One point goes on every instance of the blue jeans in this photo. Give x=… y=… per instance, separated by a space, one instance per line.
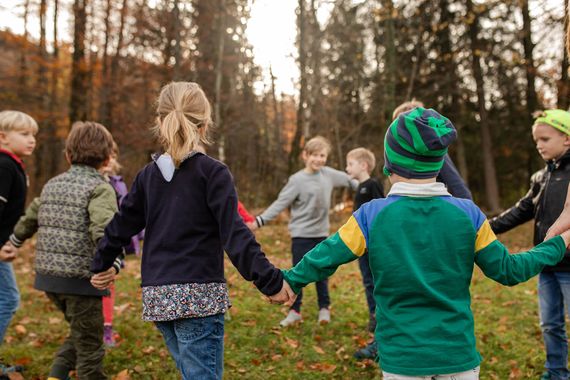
x=196 y=345
x=553 y=298
x=299 y=248
x=368 y=282
x=9 y=297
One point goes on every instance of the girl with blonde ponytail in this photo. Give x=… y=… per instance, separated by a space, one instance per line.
x=187 y=202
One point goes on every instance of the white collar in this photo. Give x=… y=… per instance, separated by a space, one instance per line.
x=432 y=189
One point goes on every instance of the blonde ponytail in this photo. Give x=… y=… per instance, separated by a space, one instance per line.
x=184 y=115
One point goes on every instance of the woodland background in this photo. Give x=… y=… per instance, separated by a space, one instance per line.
x=487 y=65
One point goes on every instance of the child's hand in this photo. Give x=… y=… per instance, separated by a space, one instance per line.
x=284 y=296
x=560 y=225
x=252 y=226
x=8 y=252
x=104 y=280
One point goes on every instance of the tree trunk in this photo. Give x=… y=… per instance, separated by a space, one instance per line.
x=79 y=73
x=491 y=187
x=104 y=94
x=564 y=84
x=390 y=55
x=177 y=70
x=300 y=130
x=218 y=82
x=23 y=74
x=42 y=160
x=114 y=74
x=54 y=143
x=531 y=98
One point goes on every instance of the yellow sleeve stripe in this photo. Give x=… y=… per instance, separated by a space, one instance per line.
x=353 y=237
x=485 y=236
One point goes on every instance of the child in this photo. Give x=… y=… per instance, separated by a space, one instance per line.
x=69 y=216
x=359 y=164
x=111 y=174
x=17 y=140
x=450 y=177
x=188 y=204
x=308 y=192
x=544 y=202
x=422 y=244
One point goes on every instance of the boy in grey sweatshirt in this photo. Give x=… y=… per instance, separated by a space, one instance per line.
x=308 y=193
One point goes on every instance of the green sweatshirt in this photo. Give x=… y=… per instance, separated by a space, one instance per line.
x=422 y=250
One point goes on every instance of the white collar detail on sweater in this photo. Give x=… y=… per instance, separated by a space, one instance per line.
x=419 y=189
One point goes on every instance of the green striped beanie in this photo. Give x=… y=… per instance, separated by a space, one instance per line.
x=416 y=143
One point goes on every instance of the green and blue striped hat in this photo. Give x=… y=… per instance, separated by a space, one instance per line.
x=416 y=143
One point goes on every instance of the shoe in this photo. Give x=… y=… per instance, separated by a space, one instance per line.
x=372 y=323
x=368 y=352
x=292 y=318
x=324 y=316
x=108 y=336
x=545 y=376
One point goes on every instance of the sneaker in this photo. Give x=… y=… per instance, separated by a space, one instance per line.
x=545 y=376
x=108 y=336
x=324 y=316
x=292 y=318
x=368 y=352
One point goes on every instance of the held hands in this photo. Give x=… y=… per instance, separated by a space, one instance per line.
x=252 y=226
x=8 y=252
x=104 y=280
x=284 y=296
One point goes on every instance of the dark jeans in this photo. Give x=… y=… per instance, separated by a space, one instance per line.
x=368 y=282
x=83 y=349
x=299 y=247
x=196 y=345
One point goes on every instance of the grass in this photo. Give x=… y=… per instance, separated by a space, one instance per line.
x=506 y=320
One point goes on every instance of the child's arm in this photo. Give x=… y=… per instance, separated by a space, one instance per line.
x=452 y=179
x=27 y=225
x=5 y=188
x=102 y=207
x=510 y=269
x=340 y=178
x=322 y=261
x=127 y=222
x=563 y=222
x=522 y=211
x=238 y=241
x=287 y=195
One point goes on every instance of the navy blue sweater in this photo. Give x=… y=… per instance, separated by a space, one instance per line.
x=189 y=222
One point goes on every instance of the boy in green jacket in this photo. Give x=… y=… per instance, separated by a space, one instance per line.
x=422 y=245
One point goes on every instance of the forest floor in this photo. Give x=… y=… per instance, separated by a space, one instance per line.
x=506 y=320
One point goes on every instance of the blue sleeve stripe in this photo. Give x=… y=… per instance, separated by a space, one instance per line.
x=366 y=214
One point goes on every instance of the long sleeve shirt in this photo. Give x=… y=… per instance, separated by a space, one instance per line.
x=309 y=196
x=423 y=245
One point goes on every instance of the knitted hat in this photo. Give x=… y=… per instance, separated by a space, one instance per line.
x=558 y=119
x=416 y=143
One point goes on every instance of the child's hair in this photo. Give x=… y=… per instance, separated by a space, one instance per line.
x=316 y=144
x=405 y=107
x=89 y=143
x=17 y=121
x=184 y=115
x=363 y=155
x=114 y=166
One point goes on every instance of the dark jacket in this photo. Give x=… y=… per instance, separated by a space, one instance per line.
x=13 y=188
x=367 y=191
x=190 y=218
x=543 y=202
x=449 y=175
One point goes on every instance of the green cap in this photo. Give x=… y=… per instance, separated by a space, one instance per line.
x=558 y=119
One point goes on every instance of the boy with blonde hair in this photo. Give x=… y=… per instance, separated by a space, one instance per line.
x=423 y=244
x=359 y=165
x=544 y=203
x=70 y=216
x=308 y=193
x=17 y=140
